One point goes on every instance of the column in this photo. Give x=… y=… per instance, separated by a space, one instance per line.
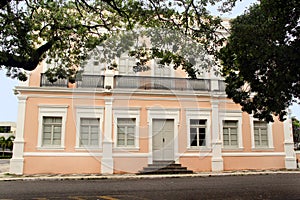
x=107 y=163
x=109 y=79
x=217 y=160
x=17 y=161
x=290 y=155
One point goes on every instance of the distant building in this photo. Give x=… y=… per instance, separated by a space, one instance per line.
x=7 y=129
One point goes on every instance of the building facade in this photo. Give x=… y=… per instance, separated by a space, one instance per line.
x=118 y=121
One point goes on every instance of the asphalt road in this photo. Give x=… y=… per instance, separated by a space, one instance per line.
x=275 y=186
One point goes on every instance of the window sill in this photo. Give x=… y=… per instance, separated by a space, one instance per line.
x=191 y=149
x=233 y=149
x=51 y=148
x=126 y=149
x=262 y=148
x=88 y=148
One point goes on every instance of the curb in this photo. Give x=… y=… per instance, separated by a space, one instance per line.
x=131 y=176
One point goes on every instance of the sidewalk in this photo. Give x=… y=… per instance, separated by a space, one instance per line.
x=5 y=176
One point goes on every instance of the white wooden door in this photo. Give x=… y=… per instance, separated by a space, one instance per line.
x=163 y=139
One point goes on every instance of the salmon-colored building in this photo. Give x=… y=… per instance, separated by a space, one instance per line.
x=118 y=121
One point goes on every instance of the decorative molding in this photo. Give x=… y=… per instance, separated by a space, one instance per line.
x=62 y=154
x=46 y=106
x=252 y=154
x=131 y=155
x=127 y=108
x=200 y=154
x=198 y=109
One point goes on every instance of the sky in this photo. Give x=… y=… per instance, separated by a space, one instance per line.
x=9 y=102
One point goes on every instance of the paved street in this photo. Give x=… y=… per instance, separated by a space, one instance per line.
x=273 y=186
x=4 y=165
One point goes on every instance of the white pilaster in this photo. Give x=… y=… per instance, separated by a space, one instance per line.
x=290 y=155
x=109 y=79
x=107 y=163
x=214 y=84
x=17 y=161
x=217 y=160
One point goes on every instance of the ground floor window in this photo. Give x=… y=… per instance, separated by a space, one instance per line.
x=126 y=128
x=197 y=132
x=261 y=134
x=52 y=129
x=230 y=133
x=89 y=132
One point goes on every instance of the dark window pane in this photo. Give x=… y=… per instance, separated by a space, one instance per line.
x=193 y=140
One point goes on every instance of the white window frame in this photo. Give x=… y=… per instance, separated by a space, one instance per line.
x=126 y=113
x=125 y=127
x=89 y=112
x=197 y=126
x=199 y=114
x=52 y=111
x=232 y=116
x=269 y=131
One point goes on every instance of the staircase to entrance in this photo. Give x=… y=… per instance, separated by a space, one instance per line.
x=165 y=167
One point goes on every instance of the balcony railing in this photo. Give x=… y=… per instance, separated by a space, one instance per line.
x=146 y=82
x=139 y=82
x=44 y=82
x=90 y=81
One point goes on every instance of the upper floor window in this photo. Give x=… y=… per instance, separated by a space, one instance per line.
x=197 y=132
x=261 y=134
x=230 y=133
x=161 y=70
x=126 y=65
x=89 y=132
x=52 y=129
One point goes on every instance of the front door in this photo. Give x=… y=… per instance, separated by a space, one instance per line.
x=163 y=139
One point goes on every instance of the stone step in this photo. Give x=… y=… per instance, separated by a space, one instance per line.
x=160 y=165
x=165 y=167
x=166 y=172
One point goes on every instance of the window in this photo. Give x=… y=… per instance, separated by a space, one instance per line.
x=197 y=132
x=126 y=132
x=126 y=127
x=126 y=65
x=52 y=126
x=261 y=134
x=5 y=129
x=161 y=70
x=52 y=129
x=230 y=133
x=231 y=129
x=198 y=128
x=89 y=132
x=89 y=125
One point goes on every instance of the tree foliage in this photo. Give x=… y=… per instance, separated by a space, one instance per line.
x=64 y=31
x=261 y=59
x=296 y=132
